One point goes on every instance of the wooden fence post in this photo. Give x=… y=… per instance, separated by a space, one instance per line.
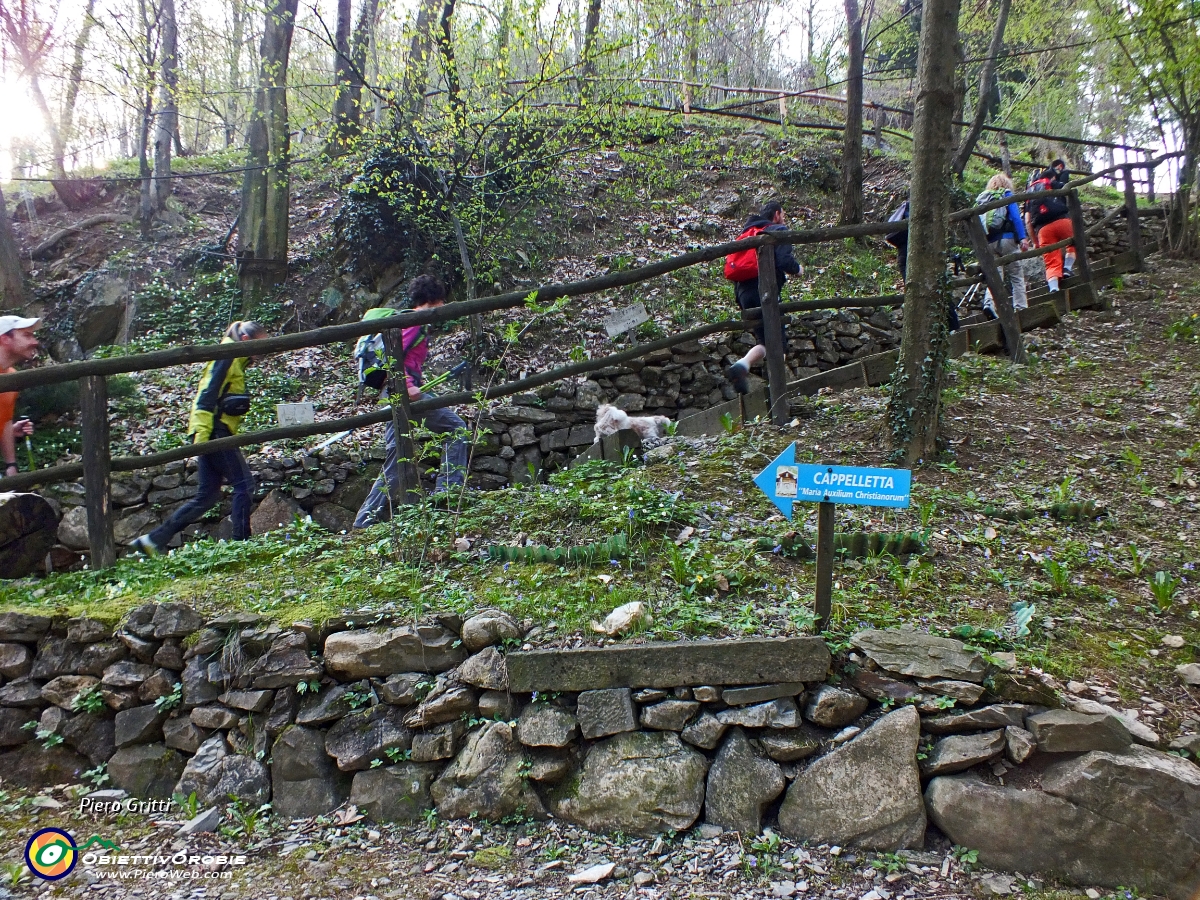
x=1000 y=296
x=824 y=590
x=772 y=320
x=1131 y=214
x=406 y=469
x=97 y=482
x=1083 y=268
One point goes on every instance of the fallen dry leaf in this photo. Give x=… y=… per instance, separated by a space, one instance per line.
x=347 y=815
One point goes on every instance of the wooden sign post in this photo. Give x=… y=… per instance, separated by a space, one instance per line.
x=786 y=482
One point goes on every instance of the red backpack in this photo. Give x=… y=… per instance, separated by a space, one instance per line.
x=1043 y=212
x=743 y=265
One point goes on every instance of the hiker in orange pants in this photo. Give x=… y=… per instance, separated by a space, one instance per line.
x=1058 y=230
x=1049 y=220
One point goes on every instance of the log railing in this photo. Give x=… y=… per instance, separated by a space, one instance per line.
x=98 y=465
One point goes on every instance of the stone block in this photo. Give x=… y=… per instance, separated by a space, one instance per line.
x=906 y=651
x=669 y=715
x=781 y=713
x=636 y=782
x=147 y=770
x=139 y=725
x=486 y=779
x=15 y=660
x=605 y=712
x=998 y=715
x=761 y=693
x=742 y=783
x=961 y=751
x=866 y=794
x=542 y=725
x=398 y=793
x=1065 y=731
x=377 y=652
x=834 y=707
x=670 y=664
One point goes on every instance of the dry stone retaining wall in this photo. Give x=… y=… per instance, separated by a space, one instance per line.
x=863 y=749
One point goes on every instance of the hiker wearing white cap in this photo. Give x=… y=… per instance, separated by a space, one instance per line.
x=18 y=344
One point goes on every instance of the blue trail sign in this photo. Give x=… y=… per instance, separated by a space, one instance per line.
x=785 y=482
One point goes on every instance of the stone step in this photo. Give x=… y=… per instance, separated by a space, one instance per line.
x=673 y=664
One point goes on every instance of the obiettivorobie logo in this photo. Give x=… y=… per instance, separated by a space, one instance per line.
x=52 y=853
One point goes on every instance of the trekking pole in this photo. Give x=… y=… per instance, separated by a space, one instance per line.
x=28 y=446
x=333 y=440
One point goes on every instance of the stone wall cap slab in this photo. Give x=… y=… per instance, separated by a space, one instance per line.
x=670 y=664
x=906 y=651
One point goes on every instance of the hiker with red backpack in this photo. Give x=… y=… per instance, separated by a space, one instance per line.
x=1049 y=221
x=742 y=269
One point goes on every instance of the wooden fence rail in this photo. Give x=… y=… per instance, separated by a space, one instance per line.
x=97 y=464
x=71 y=471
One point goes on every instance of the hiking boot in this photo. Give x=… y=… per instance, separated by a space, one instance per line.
x=739 y=376
x=145 y=546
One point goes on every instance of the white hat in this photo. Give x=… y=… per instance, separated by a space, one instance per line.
x=12 y=323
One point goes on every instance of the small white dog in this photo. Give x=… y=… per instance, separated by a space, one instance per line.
x=610 y=420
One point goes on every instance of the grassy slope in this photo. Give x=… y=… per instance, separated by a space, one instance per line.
x=1106 y=410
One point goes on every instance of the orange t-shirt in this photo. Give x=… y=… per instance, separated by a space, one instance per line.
x=8 y=403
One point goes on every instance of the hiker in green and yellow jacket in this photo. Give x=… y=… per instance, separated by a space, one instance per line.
x=221 y=401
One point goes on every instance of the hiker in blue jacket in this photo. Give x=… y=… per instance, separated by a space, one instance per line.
x=1006 y=234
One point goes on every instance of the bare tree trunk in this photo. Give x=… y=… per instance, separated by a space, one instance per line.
x=960 y=100
x=985 y=90
x=145 y=193
x=458 y=107
x=343 y=127
x=1005 y=158
x=810 y=11
x=12 y=282
x=416 y=69
x=360 y=41
x=590 y=30
x=58 y=150
x=263 y=224
x=238 y=10
x=852 y=164
x=75 y=74
x=377 y=109
x=693 y=56
x=1182 y=226
x=149 y=22
x=168 y=113
x=504 y=29
x=32 y=42
x=914 y=409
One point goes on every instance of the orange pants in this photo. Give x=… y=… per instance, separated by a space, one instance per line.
x=1052 y=233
